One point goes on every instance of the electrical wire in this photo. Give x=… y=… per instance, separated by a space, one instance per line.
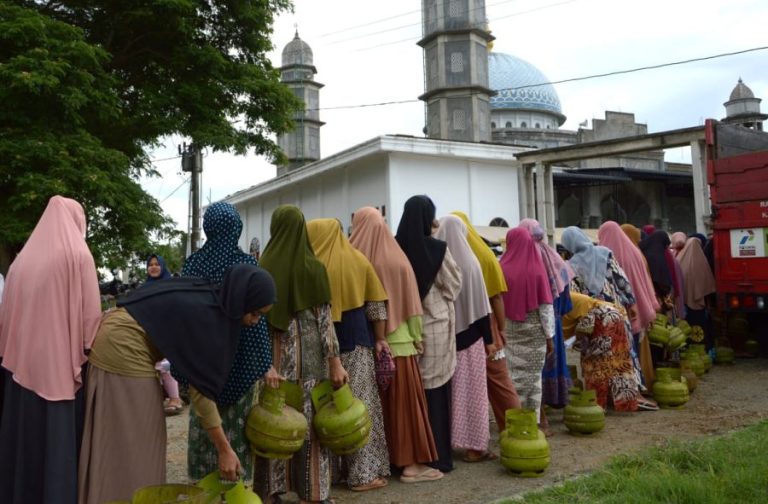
x=562 y=81
x=174 y=191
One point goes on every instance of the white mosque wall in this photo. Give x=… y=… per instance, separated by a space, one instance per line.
x=481 y=189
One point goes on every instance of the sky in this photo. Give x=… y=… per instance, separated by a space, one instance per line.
x=366 y=53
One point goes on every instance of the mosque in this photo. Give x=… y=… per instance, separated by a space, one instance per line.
x=483 y=109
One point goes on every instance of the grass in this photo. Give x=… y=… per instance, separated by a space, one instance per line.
x=727 y=469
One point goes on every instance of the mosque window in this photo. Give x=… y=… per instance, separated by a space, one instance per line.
x=508 y=125
x=523 y=124
x=459 y=120
x=493 y=125
x=538 y=125
x=454 y=9
x=457 y=62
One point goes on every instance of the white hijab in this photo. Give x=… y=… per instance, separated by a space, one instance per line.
x=472 y=304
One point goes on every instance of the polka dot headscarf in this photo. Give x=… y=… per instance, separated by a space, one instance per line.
x=222 y=226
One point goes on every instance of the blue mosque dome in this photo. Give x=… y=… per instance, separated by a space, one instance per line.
x=508 y=74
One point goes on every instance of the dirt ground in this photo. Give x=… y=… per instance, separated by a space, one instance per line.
x=728 y=397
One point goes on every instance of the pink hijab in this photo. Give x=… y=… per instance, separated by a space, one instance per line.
x=559 y=272
x=372 y=237
x=51 y=307
x=527 y=283
x=632 y=261
x=678 y=242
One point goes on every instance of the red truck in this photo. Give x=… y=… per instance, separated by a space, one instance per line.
x=737 y=174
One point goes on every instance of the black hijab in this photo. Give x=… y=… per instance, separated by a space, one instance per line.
x=196 y=324
x=654 y=248
x=414 y=235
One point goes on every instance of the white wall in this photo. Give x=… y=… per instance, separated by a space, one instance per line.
x=483 y=190
x=334 y=194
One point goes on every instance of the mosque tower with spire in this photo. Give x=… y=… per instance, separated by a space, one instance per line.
x=743 y=108
x=302 y=145
x=455 y=47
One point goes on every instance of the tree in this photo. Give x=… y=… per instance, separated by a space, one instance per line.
x=88 y=86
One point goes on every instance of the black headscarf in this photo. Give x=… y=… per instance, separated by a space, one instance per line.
x=196 y=324
x=164 y=273
x=654 y=248
x=414 y=235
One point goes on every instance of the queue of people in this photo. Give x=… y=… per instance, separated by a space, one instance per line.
x=463 y=335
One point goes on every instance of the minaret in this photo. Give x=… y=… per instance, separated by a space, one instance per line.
x=302 y=145
x=455 y=47
x=743 y=108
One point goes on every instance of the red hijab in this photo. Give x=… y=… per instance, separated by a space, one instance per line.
x=527 y=281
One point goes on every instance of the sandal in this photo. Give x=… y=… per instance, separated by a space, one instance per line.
x=646 y=405
x=171 y=410
x=484 y=457
x=373 y=485
x=426 y=475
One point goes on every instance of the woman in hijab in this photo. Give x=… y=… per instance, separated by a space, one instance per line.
x=599 y=275
x=633 y=233
x=530 y=315
x=43 y=356
x=677 y=242
x=156 y=270
x=556 y=379
x=469 y=393
x=406 y=420
x=501 y=391
x=305 y=350
x=655 y=248
x=359 y=312
x=605 y=351
x=632 y=262
x=699 y=283
x=196 y=325
x=222 y=226
x=439 y=281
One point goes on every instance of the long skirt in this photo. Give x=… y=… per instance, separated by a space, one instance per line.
x=372 y=460
x=39 y=443
x=202 y=457
x=526 y=351
x=406 y=420
x=439 y=406
x=606 y=362
x=556 y=379
x=501 y=391
x=124 y=441
x=469 y=400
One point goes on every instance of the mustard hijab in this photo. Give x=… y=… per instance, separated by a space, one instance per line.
x=352 y=277
x=581 y=306
x=492 y=274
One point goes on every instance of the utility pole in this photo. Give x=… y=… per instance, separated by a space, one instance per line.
x=192 y=161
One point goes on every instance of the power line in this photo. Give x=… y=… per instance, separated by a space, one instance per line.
x=164 y=159
x=174 y=191
x=572 y=79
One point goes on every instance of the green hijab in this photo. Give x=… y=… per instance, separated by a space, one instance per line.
x=301 y=279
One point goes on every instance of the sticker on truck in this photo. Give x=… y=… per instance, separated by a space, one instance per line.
x=749 y=243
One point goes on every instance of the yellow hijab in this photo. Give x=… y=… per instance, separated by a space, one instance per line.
x=492 y=274
x=581 y=306
x=352 y=277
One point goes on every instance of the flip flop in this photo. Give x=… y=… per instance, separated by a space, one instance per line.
x=373 y=485
x=645 y=405
x=173 y=410
x=486 y=456
x=426 y=475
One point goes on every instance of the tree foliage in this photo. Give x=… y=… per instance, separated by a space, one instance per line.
x=88 y=86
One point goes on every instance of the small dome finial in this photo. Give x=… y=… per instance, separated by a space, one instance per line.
x=296 y=27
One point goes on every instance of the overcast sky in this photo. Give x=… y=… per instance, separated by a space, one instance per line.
x=366 y=53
